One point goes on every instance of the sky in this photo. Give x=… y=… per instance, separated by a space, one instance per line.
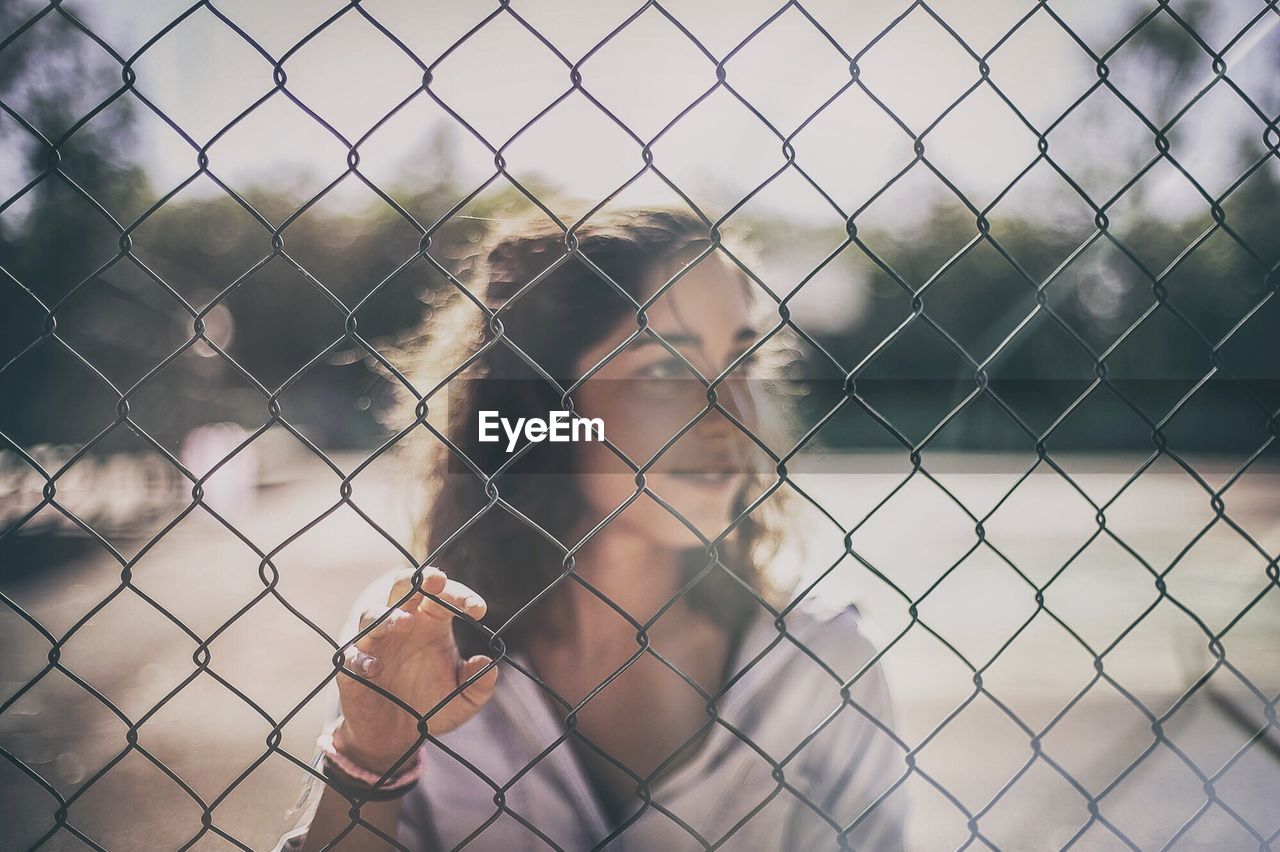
x=202 y=75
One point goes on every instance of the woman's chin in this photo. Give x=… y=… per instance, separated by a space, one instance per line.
x=665 y=529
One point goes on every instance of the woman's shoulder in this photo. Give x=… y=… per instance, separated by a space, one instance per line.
x=827 y=619
x=823 y=674
x=825 y=610
x=828 y=635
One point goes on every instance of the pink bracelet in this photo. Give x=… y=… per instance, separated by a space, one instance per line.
x=407 y=776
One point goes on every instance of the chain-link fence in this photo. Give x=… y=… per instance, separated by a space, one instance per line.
x=1050 y=696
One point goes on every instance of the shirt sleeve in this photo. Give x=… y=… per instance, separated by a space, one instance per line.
x=304 y=810
x=853 y=764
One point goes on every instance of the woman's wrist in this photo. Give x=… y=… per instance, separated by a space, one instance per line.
x=375 y=761
x=338 y=779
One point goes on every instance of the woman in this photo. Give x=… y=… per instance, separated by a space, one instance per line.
x=601 y=665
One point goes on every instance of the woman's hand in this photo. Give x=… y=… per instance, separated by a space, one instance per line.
x=412 y=655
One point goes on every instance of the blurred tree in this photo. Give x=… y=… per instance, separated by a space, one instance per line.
x=51 y=236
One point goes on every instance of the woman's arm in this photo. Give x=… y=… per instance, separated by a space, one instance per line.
x=328 y=815
x=410 y=653
x=333 y=817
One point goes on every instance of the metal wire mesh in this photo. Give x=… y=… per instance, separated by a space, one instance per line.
x=1094 y=797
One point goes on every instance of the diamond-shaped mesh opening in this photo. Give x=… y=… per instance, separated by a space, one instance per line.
x=1162 y=42
x=681 y=154
x=575 y=135
x=248 y=78
x=647 y=103
x=917 y=41
x=1100 y=169
x=541 y=78
x=767 y=74
x=973 y=786
x=982 y=122
x=973 y=543
x=352 y=103
x=274 y=124
x=1040 y=38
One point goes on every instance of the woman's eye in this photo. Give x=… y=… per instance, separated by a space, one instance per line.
x=670 y=369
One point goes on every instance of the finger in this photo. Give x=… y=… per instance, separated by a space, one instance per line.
x=389 y=624
x=482 y=690
x=459 y=596
x=433 y=580
x=356 y=661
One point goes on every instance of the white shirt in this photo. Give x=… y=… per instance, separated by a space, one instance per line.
x=780 y=700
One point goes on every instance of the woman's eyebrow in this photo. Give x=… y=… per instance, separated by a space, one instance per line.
x=674 y=338
x=680 y=339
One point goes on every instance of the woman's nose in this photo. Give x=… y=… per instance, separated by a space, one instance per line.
x=733 y=395
x=733 y=403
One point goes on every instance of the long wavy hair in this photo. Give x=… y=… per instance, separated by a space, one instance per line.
x=455 y=353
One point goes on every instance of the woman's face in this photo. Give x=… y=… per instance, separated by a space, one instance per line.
x=646 y=396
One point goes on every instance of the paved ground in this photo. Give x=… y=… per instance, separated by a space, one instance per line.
x=209 y=737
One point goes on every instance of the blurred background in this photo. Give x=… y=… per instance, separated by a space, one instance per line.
x=213 y=215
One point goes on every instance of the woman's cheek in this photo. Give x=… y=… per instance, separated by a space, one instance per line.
x=639 y=435
x=604 y=493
